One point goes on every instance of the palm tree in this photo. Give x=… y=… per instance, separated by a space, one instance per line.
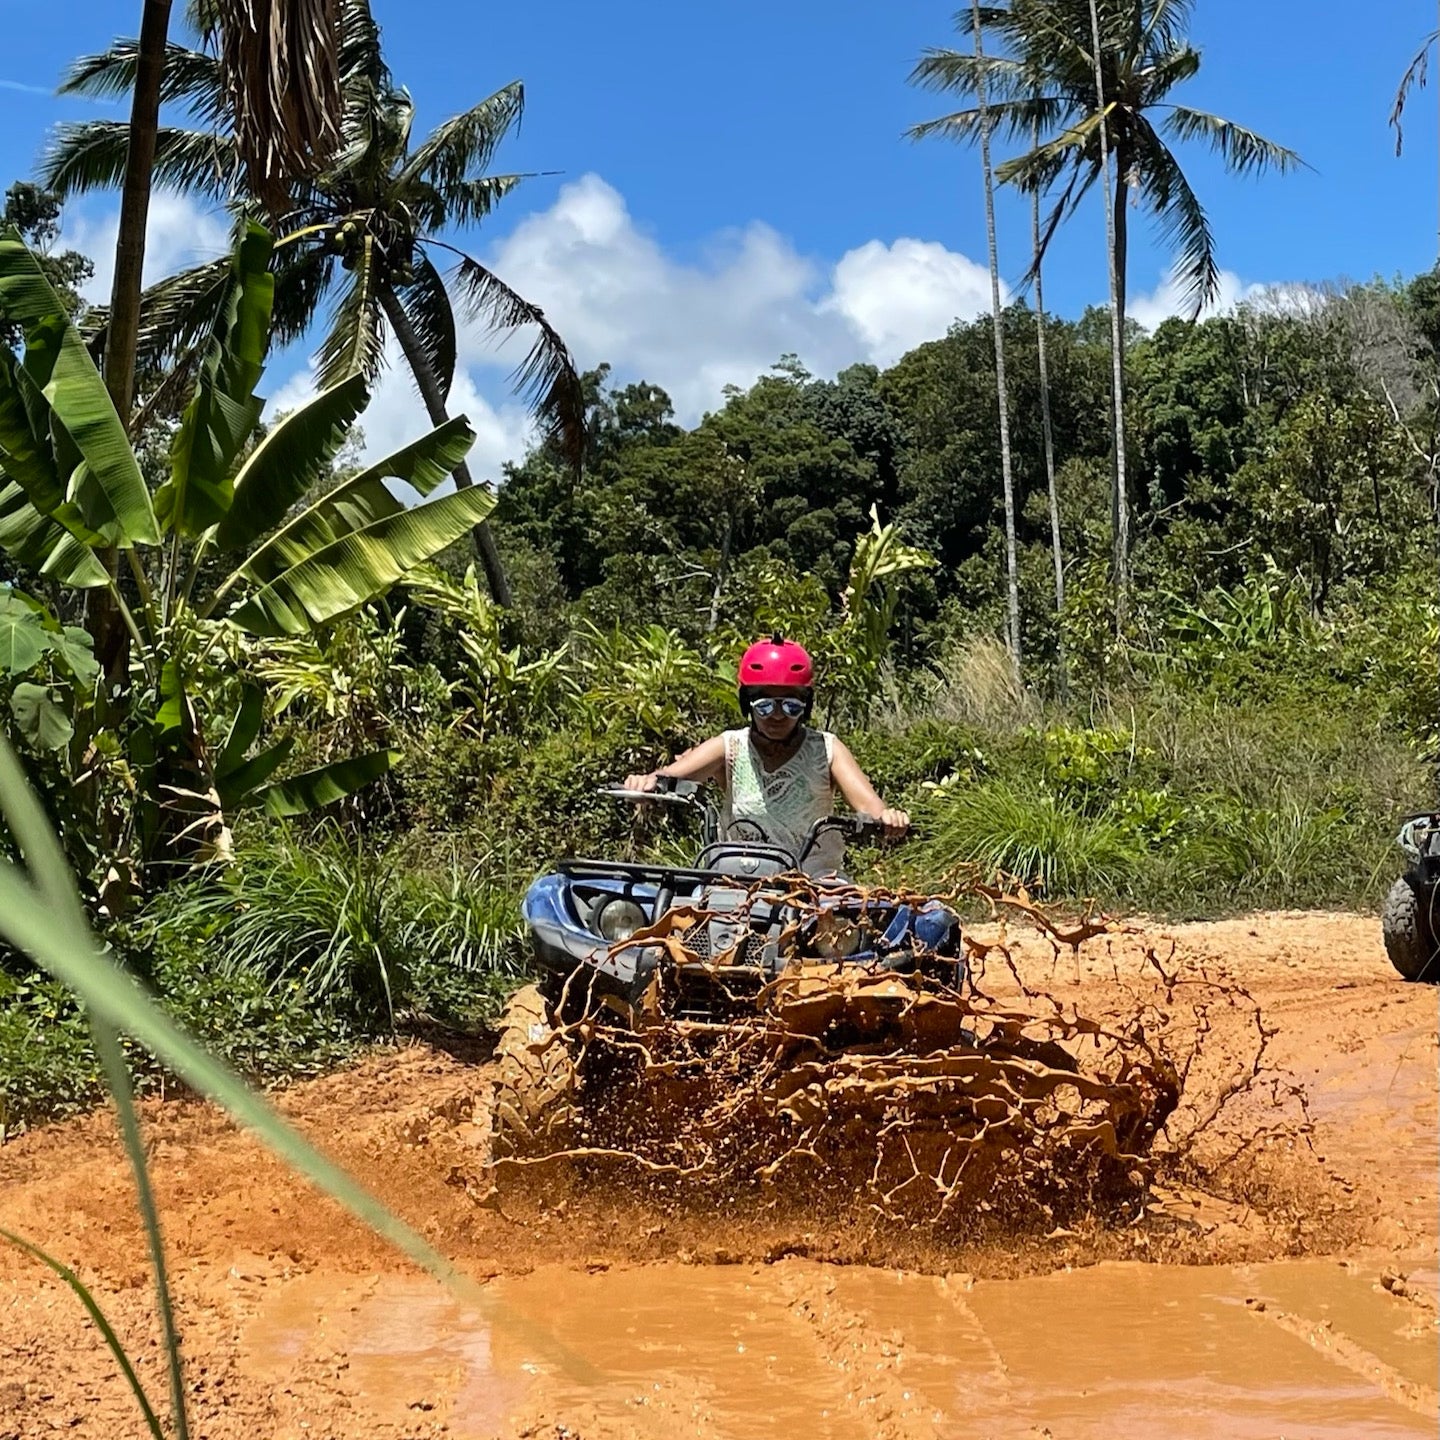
x=1047 y=77
x=1047 y=432
x=364 y=234
x=1001 y=393
x=270 y=52
x=1120 y=490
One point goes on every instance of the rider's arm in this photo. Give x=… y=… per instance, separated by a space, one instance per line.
x=705 y=762
x=859 y=793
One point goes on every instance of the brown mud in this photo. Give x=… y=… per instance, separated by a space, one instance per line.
x=1279 y=1280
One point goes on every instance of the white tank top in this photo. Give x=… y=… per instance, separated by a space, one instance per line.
x=779 y=806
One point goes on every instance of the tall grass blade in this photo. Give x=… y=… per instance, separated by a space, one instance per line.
x=54 y=882
x=117 y=1076
x=101 y=1324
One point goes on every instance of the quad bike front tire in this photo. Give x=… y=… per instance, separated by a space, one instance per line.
x=1407 y=922
x=536 y=1083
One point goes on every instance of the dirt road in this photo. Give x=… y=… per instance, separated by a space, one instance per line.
x=1314 y=1313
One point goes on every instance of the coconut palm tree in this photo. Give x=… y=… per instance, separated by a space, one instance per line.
x=365 y=234
x=1047 y=433
x=1045 y=75
x=1001 y=394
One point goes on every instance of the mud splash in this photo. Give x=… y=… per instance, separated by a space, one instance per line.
x=938 y=1096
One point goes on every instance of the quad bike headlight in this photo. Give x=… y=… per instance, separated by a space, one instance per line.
x=619 y=919
x=837 y=937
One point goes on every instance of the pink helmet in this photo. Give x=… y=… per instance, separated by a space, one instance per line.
x=776 y=661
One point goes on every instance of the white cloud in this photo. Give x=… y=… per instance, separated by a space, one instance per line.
x=1167 y=299
x=897 y=296
x=615 y=294
x=179 y=233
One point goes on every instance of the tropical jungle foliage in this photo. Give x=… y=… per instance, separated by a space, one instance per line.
x=305 y=792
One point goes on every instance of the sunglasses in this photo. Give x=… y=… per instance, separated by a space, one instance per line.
x=767 y=705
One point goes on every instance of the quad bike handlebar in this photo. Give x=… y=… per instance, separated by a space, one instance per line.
x=668 y=791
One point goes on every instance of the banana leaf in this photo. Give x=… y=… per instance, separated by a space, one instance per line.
x=108 y=488
x=362 y=500
x=349 y=572
x=290 y=459
x=45 y=544
x=317 y=788
x=224 y=411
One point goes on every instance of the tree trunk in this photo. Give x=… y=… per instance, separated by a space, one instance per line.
x=1011 y=563
x=714 y=617
x=1115 y=247
x=1048 y=432
x=429 y=384
x=102 y=617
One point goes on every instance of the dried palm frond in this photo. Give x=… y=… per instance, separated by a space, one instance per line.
x=282 y=69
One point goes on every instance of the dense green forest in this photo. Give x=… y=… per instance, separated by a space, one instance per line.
x=305 y=740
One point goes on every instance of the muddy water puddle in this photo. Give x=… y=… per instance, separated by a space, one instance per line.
x=1306 y=1348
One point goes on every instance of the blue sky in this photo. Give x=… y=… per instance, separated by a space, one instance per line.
x=735 y=182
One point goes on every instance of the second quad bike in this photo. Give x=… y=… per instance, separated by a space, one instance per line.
x=1410 y=920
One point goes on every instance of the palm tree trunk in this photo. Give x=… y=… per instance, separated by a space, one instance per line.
x=1048 y=433
x=429 y=385
x=1001 y=394
x=102 y=616
x=1114 y=244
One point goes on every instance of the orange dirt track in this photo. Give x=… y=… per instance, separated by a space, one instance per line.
x=1298 y=1301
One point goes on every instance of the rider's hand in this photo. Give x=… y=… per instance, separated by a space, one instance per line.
x=896 y=823
x=642 y=782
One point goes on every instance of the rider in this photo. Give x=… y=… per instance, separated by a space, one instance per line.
x=779 y=775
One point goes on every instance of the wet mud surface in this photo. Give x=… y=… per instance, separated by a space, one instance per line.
x=1291 y=1292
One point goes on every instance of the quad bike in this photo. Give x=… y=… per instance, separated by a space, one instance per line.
x=793 y=1015
x=1410 y=919
x=641 y=943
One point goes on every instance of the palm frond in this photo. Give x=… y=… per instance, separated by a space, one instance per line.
x=356 y=338
x=174 y=313
x=546 y=378
x=1166 y=22
x=427 y=306
x=91 y=156
x=1184 y=226
x=1009 y=117
x=1416 y=74
x=282 y=61
x=190 y=78
x=304 y=271
x=1162 y=73
x=468 y=202
x=955 y=72
x=1038 y=169
x=1243 y=151
x=995 y=17
x=465 y=143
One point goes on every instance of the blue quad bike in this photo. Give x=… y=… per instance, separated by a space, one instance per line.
x=640 y=944
x=1410 y=919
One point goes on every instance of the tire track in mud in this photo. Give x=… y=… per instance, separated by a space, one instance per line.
x=1323 y=1338
x=896 y=1382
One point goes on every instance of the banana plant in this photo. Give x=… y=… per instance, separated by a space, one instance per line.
x=232 y=539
